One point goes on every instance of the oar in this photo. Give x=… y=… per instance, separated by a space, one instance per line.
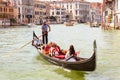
x=16 y=50
x=29 y=42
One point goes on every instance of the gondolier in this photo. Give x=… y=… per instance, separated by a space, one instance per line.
x=45 y=32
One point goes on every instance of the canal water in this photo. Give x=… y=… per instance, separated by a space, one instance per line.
x=21 y=61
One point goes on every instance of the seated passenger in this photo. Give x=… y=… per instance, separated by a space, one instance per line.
x=71 y=54
x=54 y=50
x=47 y=48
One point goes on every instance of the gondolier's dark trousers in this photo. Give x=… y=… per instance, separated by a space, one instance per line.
x=45 y=37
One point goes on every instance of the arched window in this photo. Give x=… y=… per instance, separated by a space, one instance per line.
x=0 y=9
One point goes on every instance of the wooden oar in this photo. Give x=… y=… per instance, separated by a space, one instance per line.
x=16 y=50
x=29 y=42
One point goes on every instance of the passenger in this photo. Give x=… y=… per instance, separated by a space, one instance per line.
x=71 y=54
x=54 y=50
x=47 y=48
x=57 y=48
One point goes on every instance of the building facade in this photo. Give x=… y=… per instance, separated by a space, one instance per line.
x=7 y=12
x=59 y=13
x=117 y=14
x=78 y=9
x=40 y=12
x=96 y=12
x=25 y=11
x=108 y=14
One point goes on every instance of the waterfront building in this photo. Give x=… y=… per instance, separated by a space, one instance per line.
x=7 y=12
x=59 y=13
x=31 y=11
x=47 y=11
x=96 y=12
x=117 y=14
x=108 y=14
x=25 y=11
x=111 y=14
x=78 y=8
x=40 y=12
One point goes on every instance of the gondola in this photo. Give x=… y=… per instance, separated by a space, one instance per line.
x=84 y=64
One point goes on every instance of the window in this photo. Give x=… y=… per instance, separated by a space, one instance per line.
x=19 y=10
x=0 y=9
x=23 y=16
x=106 y=13
x=70 y=6
x=76 y=5
x=79 y=6
x=19 y=16
x=62 y=13
x=58 y=13
x=45 y=13
x=57 y=9
x=76 y=12
x=18 y=2
x=36 y=13
x=52 y=13
x=28 y=10
x=4 y=10
x=10 y=10
x=67 y=6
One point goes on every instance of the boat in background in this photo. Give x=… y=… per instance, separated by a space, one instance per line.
x=31 y=25
x=69 y=24
x=94 y=24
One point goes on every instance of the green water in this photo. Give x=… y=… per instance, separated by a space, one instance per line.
x=26 y=64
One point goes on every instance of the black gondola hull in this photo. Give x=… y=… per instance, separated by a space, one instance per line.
x=87 y=64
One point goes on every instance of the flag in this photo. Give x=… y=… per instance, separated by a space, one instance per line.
x=36 y=41
x=34 y=36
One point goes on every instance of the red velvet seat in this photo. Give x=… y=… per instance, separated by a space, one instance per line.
x=60 y=56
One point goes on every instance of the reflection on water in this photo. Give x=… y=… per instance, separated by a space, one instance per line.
x=26 y=64
x=74 y=75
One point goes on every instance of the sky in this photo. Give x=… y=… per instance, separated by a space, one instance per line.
x=95 y=0
x=86 y=0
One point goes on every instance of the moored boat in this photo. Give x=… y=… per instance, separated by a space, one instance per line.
x=83 y=64
x=69 y=24
x=94 y=24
